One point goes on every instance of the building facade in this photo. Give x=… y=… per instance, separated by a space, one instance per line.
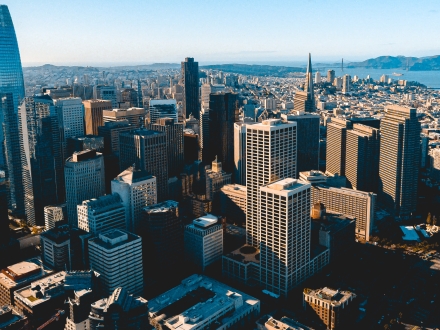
x=336 y=145
x=190 y=78
x=93 y=114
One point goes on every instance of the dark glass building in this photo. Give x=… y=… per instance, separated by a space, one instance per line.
x=190 y=77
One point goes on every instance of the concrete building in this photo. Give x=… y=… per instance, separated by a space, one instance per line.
x=362 y=158
x=346 y=83
x=110 y=132
x=147 y=150
x=174 y=136
x=284 y=323
x=135 y=116
x=93 y=114
x=55 y=246
x=354 y=203
x=107 y=93
x=331 y=306
x=84 y=175
x=204 y=241
x=240 y=151
x=168 y=310
x=11 y=319
x=200 y=205
x=434 y=164
x=137 y=189
x=85 y=142
x=216 y=178
x=53 y=214
x=317 y=77
x=399 y=160
x=117 y=256
x=102 y=214
x=270 y=155
x=79 y=308
x=317 y=177
x=269 y=104
x=163 y=109
x=330 y=76
x=336 y=145
x=233 y=203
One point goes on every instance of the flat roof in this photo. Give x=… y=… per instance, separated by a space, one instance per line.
x=409 y=233
x=23 y=268
x=245 y=254
x=205 y=220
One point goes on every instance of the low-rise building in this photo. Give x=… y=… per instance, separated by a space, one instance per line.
x=233 y=203
x=10 y=319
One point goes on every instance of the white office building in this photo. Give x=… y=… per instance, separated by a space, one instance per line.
x=240 y=151
x=84 y=177
x=163 y=109
x=100 y=214
x=204 y=241
x=52 y=214
x=137 y=189
x=117 y=256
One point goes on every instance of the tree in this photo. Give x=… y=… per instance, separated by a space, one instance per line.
x=428 y=219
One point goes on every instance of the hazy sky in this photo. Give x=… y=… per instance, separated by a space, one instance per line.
x=214 y=31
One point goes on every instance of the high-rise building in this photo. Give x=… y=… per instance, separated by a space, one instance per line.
x=42 y=163
x=4 y=218
x=208 y=89
x=93 y=114
x=317 y=77
x=101 y=214
x=71 y=120
x=434 y=163
x=305 y=101
x=216 y=178
x=174 y=134
x=14 y=172
x=11 y=72
x=129 y=96
x=107 y=93
x=110 y=132
x=399 y=160
x=362 y=157
x=54 y=214
x=190 y=78
x=336 y=145
x=79 y=308
x=84 y=175
x=204 y=241
x=285 y=234
x=163 y=109
x=83 y=143
x=307 y=137
x=191 y=146
x=135 y=116
x=240 y=152
x=137 y=189
x=346 y=83
x=55 y=245
x=330 y=76
x=117 y=256
x=147 y=150
x=270 y=156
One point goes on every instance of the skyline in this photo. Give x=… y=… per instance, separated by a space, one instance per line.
x=252 y=34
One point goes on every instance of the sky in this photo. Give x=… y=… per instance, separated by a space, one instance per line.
x=112 y=32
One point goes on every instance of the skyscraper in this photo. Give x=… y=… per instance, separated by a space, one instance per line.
x=163 y=109
x=84 y=175
x=93 y=114
x=330 y=76
x=190 y=77
x=346 y=83
x=147 y=150
x=270 y=156
x=399 y=160
x=174 y=133
x=240 y=152
x=107 y=93
x=305 y=101
x=336 y=145
x=43 y=177
x=135 y=116
x=110 y=131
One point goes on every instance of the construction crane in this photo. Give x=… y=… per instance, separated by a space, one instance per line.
x=56 y=317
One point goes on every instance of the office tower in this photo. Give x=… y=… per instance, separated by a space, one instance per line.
x=135 y=116
x=285 y=234
x=362 y=157
x=79 y=309
x=233 y=203
x=11 y=73
x=270 y=156
x=162 y=234
x=399 y=160
x=346 y=83
x=208 y=89
x=424 y=147
x=190 y=78
x=204 y=127
x=129 y=96
x=333 y=307
x=85 y=142
x=240 y=152
x=71 y=120
x=353 y=203
x=163 y=109
x=200 y=205
x=204 y=241
x=100 y=214
x=93 y=114
x=305 y=100
x=190 y=146
x=336 y=145
x=137 y=189
x=147 y=150
x=107 y=93
x=4 y=218
x=317 y=77
x=223 y=113
x=54 y=214
x=110 y=132
x=434 y=163
x=330 y=76
x=121 y=310
x=14 y=172
x=84 y=175
x=270 y=104
x=41 y=157
x=117 y=256
x=174 y=136
x=307 y=137
x=338 y=83
x=216 y=178
x=55 y=248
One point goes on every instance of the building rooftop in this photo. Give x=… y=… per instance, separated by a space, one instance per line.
x=132 y=174
x=161 y=207
x=113 y=238
x=205 y=221
x=234 y=188
x=8 y=317
x=245 y=254
x=103 y=203
x=334 y=297
x=23 y=272
x=197 y=298
x=284 y=324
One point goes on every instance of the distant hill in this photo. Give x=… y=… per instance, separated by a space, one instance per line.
x=154 y=66
x=255 y=70
x=400 y=62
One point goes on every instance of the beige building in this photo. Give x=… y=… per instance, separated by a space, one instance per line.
x=93 y=114
x=336 y=145
x=135 y=116
x=233 y=203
